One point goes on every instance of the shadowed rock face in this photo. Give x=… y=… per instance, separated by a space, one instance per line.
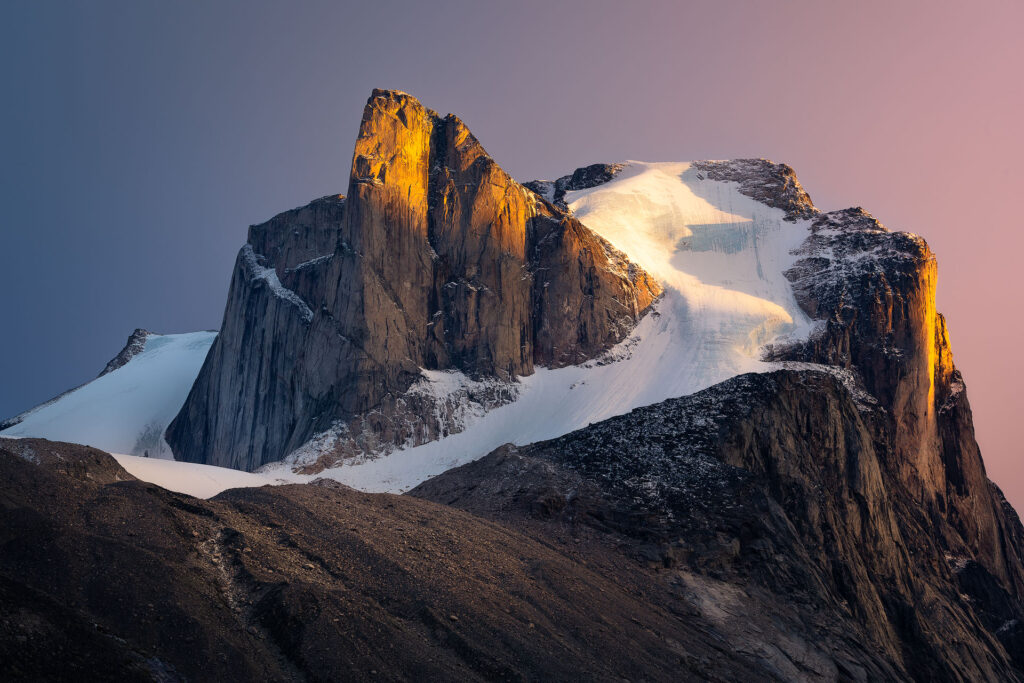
x=437 y=259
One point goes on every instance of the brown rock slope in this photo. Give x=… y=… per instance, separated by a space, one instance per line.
x=437 y=259
x=103 y=577
x=765 y=505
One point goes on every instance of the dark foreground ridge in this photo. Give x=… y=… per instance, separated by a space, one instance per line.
x=772 y=506
x=104 y=577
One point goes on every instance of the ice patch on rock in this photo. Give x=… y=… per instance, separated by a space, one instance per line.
x=269 y=276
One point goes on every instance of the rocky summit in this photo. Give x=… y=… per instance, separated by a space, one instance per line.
x=653 y=421
x=436 y=259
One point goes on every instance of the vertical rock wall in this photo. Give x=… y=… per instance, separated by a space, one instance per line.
x=437 y=259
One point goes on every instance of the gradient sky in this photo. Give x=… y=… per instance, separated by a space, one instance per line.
x=140 y=139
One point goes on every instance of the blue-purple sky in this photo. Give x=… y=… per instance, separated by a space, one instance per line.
x=140 y=139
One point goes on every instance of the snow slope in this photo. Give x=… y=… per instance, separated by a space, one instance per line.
x=201 y=481
x=126 y=410
x=720 y=256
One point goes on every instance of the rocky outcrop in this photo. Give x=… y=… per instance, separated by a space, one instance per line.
x=873 y=292
x=436 y=260
x=775 y=488
x=581 y=179
x=135 y=345
x=769 y=183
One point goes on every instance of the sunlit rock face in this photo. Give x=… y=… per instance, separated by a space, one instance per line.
x=437 y=259
x=873 y=293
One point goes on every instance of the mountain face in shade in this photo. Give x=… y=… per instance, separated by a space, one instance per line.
x=772 y=505
x=436 y=260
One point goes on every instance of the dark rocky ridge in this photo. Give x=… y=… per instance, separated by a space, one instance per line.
x=103 y=577
x=436 y=259
x=773 y=184
x=134 y=346
x=776 y=488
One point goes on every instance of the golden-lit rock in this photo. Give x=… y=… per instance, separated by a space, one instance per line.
x=437 y=260
x=880 y=320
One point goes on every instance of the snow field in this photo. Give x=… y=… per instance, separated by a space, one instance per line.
x=127 y=410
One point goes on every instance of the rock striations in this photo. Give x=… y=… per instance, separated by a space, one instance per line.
x=437 y=259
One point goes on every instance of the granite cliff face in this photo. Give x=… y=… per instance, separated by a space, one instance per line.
x=874 y=293
x=437 y=259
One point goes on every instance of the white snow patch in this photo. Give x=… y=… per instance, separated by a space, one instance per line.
x=127 y=410
x=269 y=275
x=201 y=481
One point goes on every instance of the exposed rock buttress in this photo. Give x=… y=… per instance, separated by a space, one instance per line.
x=436 y=259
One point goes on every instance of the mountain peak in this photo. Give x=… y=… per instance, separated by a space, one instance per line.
x=437 y=260
x=133 y=347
